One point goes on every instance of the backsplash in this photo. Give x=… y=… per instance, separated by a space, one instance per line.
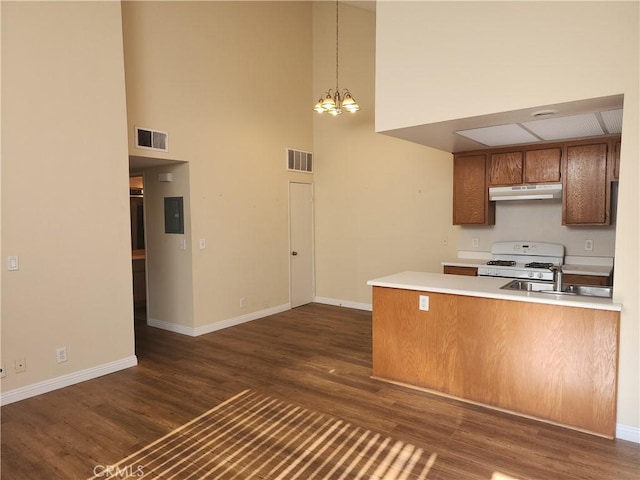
x=538 y=220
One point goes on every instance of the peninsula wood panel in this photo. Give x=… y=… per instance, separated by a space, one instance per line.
x=550 y=362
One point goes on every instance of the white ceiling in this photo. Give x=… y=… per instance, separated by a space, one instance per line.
x=563 y=121
x=550 y=128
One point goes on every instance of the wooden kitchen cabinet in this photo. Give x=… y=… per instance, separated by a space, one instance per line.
x=586 y=185
x=542 y=165
x=455 y=270
x=505 y=168
x=471 y=204
x=616 y=160
x=529 y=166
x=595 y=280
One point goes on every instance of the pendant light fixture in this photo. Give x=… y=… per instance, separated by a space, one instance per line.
x=334 y=101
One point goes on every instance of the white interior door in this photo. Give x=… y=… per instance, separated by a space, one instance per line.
x=301 y=243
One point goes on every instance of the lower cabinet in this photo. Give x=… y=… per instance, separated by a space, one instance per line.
x=453 y=270
x=549 y=362
x=596 y=280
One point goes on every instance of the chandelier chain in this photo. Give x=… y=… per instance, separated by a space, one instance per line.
x=334 y=102
x=337 y=44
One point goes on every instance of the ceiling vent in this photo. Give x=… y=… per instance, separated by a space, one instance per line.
x=152 y=139
x=299 y=161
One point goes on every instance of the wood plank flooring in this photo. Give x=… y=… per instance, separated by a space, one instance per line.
x=317 y=356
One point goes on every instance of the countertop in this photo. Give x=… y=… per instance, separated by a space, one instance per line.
x=486 y=287
x=568 y=268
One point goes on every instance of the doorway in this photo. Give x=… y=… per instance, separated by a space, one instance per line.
x=301 y=244
x=138 y=252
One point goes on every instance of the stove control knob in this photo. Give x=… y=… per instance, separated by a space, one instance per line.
x=540 y=275
x=530 y=274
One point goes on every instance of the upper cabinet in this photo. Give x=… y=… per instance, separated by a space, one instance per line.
x=585 y=168
x=506 y=168
x=540 y=165
x=471 y=204
x=616 y=159
x=586 y=185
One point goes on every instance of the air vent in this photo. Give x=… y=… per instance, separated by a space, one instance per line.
x=299 y=161
x=152 y=139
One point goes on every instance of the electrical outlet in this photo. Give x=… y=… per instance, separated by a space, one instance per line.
x=475 y=242
x=13 y=263
x=3 y=372
x=424 y=303
x=445 y=242
x=20 y=365
x=588 y=245
x=61 y=354
x=243 y=302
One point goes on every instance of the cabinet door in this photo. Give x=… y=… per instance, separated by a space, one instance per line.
x=543 y=165
x=585 y=199
x=505 y=168
x=471 y=204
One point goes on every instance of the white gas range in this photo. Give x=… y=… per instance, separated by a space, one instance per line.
x=527 y=260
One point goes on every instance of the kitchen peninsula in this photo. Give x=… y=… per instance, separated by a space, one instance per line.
x=545 y=356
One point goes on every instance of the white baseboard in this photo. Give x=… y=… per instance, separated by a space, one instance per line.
x=212 y=327
x=171 y=327
x=344 y=303
x=46 y=386
x=627 y=432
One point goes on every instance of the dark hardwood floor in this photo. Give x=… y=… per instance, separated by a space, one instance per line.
x=316 y=356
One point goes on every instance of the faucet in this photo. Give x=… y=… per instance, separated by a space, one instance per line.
x=557 y=277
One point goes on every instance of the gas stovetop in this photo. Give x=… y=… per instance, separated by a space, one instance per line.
x=523 y=260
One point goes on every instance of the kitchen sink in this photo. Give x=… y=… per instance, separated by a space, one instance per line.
x=528 y=286
x=590 y=291
x=547 y=287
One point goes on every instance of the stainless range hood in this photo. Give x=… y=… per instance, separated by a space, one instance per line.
x=526 y=192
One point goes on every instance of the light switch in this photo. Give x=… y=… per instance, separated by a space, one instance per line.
x=203 y=244
x=183 y=244
x=424 y=303
x=12 y=263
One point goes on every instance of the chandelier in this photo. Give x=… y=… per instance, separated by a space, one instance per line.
x=334 y=101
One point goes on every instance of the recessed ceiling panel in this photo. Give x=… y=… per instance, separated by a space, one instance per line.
x=498 y=135
x=560 y=128
x=612 y=120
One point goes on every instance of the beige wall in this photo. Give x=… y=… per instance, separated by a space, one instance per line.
x=168 y=266
x=462 y=59
x=231 y=84
x=540 y=221
x=382 y=204
x=65 y=201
